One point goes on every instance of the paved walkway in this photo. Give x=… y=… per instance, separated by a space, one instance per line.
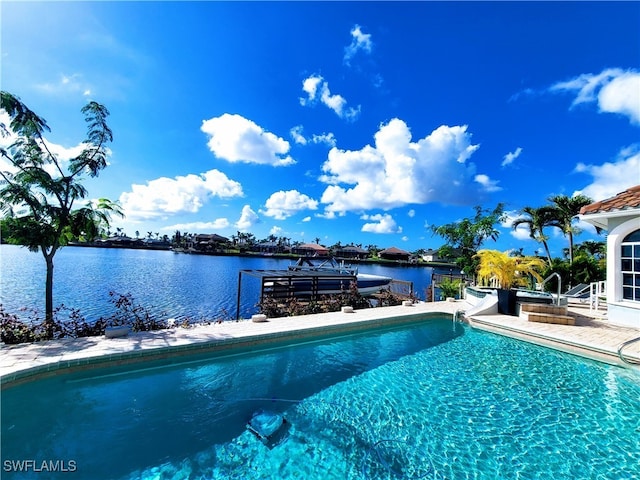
x=591 y=336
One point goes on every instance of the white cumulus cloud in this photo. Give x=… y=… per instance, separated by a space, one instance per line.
x=622 y=95
x=324 y=138
x=521 y=232
x=189 y=193
x=614 y=90
x=488 y=184
x=359 y=42
x=317 y=89
x=297 y=135
x=237 y=139
x=281 y=205
x=202 y=227
x=380 y=223
x=63 y=154
x=248 y=218
x=611 y=178
x=398 y=171
x=511 y=156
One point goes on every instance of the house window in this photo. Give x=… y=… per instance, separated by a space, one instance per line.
x=630 y=266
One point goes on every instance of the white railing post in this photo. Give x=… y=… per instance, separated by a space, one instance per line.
x=597 y=292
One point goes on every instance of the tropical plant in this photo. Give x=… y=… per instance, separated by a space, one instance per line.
x=70 y=323
x=536 y=219
x=39 y=191
x=450 y=288
x=506 y=270
x=465 y=237
x=566 y=209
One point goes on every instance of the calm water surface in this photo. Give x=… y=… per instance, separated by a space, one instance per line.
x=169 y=284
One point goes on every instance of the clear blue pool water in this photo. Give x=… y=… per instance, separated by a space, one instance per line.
x=437 y=401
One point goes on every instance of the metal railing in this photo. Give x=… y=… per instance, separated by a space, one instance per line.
x=458 y=316
x=626 y=344
x=554 y=274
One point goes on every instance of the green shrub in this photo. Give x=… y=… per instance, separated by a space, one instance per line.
x=450 y=288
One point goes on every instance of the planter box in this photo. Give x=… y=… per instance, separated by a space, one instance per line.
x=506 y=301
x=116 y=332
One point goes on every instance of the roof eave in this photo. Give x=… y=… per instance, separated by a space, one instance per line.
x=601 y=219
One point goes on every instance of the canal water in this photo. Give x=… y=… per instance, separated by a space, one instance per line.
x=169 y=284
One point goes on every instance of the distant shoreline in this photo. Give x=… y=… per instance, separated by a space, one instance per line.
x=291 y=256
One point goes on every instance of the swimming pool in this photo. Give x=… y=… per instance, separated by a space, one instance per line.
x=437 y=400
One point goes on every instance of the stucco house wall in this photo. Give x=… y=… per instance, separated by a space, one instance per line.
x=619 y=216
x=621 y=311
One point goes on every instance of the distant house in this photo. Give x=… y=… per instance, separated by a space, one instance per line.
x=352 y=252
x=310 y=250
x=269 y=247
x=121 y=241
x=431 y=256
x=208 y=241
x=620 y=217
x=155 y=242
x=394 y=253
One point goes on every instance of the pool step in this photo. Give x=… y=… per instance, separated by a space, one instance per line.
x=542 y=313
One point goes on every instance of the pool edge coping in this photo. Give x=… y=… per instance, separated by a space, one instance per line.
x=561 y=344
x=211 y=345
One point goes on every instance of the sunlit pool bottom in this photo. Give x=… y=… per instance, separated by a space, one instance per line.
x=437 y=401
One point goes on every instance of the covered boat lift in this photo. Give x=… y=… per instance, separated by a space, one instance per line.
x=286 y=284
x=311 y=284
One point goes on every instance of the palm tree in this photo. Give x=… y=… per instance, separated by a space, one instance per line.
x=595 y=249
x=373 y=250
x=536 y=220
x=177 y=238
x=565 y=210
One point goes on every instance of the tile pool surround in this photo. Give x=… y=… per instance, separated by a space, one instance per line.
x=24 y=363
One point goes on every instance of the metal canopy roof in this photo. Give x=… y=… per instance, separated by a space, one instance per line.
x=296 y=273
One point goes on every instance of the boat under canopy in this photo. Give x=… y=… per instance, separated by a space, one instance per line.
x=312 y=280
x=367 y=283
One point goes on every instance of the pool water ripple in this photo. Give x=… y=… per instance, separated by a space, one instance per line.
x=426 y=402
x=496 y=423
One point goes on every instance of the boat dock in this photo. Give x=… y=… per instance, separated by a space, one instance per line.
x=279 y=284
x=312 y=284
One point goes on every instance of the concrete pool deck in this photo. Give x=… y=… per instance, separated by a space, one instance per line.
x=591 y=337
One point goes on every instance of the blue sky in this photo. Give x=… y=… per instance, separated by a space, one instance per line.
x=363 y=122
